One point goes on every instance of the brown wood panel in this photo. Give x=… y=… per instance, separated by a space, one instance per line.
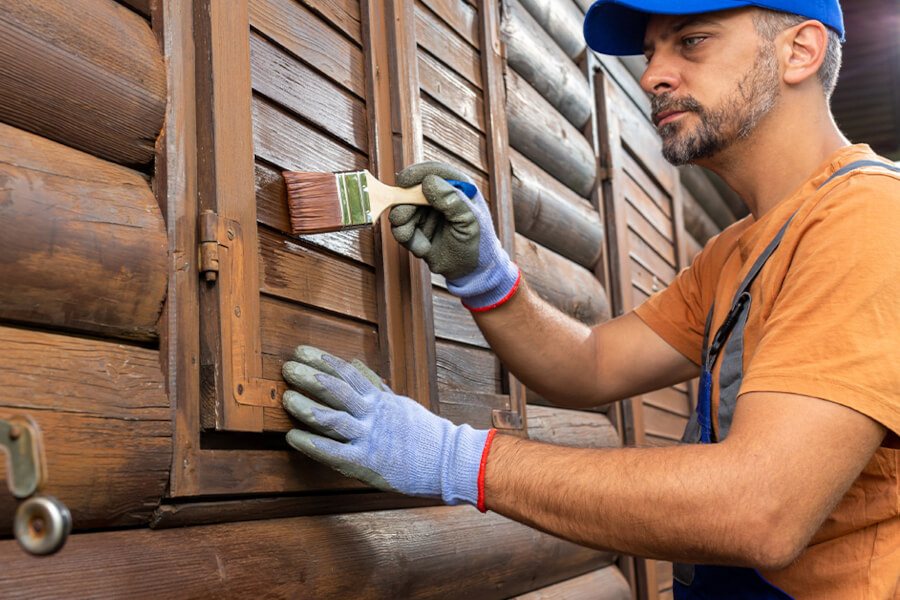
x=290 y=83
x=570 y=287
x=604 y=584
x=435 y=152
x=443 y=42
x=453 y=134
x=473 y=408
x=271 y=209
x=644 y=204
x=662 y=423
x=461 y=17
x=91 y=78
x=286 y=326
x=462 y=367
x=663 y=575
x=644 y=279
x=638 y=223
x=659 y=196
x=83 y=241
x=552 y=215
x=671 y=399
x=571 y=428
x=291 y=270
x=287 y=143
x=644 y=254
x=447 y=552
x=452 y=321
x=309 y=38
x=697 y=223
x=455 y=93
x=105 y=422
x=343 y=14
x=139 y=6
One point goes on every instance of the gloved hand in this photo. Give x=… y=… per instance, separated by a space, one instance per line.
x=455 y=236
x=364 y=430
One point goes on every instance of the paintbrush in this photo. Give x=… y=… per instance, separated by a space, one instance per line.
x=320 y=202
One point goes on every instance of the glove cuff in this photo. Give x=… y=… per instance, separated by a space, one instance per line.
x=485 y=290
x=462 y=471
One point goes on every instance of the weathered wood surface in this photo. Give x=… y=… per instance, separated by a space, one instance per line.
x=91 y=78
x=562 y=20
x=470 y=407
x=105 y=423
x=455 y=93
x=705 y=194
x=537 y=130
x=461 y=367
x=439 y=552
x=462 y=17
x=453 y=134
x=604 y=584
x=83 y=241
x=569 y=287
x=543 y=64
x=696 y=220
x=452 y=321
x=552 y=215
x=574 y=428
x=140 y=6
x=440 y=40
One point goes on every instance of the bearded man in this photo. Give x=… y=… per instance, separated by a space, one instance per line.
x=787 y=484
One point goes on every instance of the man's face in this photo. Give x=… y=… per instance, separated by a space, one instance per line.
x=711 y=78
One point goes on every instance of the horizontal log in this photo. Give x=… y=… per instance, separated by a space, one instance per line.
x=83 y=241
x=696 y=221
x=562 y=20
x=537 y=130
x=543 y=64
x=604 y=584
x=91 y=78
x=574 y=428
x=552 y=215
x=562 y=283
x=706 y=195
x=105 y=422
x=436 y=552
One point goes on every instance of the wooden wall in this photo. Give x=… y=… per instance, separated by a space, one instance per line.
x=152 y=289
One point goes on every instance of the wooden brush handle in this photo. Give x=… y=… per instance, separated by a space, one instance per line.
x=383 y=196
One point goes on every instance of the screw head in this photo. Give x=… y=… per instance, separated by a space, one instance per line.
x=230 y=234
x=240 y=389
x=15 y=432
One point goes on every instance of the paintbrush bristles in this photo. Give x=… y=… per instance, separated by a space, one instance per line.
x=314 y=202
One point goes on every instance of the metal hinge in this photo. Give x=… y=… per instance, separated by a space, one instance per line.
x=209 y=245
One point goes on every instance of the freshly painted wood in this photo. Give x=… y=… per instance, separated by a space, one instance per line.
x=453 y=134
x=91 y=78
x=574 y=428
x=552 y=215
x=462 y=367
x=271 y=209
x=562 y=20
x=83 y=241
x=604 y=584
x=282 y=78
x=538 y=131
x=570 y=287
x=299 y=31
x=455 y=93
x=105 y=423
x=294 y=271
x=543 y=64
x=442 y=41
x=445 y=552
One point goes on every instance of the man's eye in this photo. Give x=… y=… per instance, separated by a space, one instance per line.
x=692 y=41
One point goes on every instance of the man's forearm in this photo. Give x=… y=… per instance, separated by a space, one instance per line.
x=652 y=502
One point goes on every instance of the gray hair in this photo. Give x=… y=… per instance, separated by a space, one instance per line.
x=769 y=23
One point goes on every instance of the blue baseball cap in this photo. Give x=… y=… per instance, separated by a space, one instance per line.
x=617 y=26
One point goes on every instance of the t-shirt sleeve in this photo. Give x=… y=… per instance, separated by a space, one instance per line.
x=833 y=330
x=678 y=313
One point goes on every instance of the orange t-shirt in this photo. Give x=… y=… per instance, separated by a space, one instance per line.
x=825 y=322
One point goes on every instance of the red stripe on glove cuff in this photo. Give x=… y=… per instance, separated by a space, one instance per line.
x=481 y=469
x=502 y=300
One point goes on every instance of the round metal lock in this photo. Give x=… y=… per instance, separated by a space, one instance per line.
x=42 y=524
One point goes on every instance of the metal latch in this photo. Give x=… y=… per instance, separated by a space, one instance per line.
x=42 y=523
x=209 y=245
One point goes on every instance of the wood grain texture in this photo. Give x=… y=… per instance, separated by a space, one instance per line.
x=552 y=215
x=282 y=78
x=569 y=287
x=105 y=421
x=604 y=584
x=299 y=31
x=461 y=367
x=442 y=41
x=140 y=6
x=461 y=17
x=543 y=64
x=453 y=134
x=440 y=552
x=434 y=152
x=343 y=14
x=575 y=428
x=562 y=20
x=452 y=321
x=83 y=241
x=91 y=78
x=452 y=91
x=473 y=408
x=539 y=132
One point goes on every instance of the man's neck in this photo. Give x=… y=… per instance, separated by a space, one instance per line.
x=781 y=154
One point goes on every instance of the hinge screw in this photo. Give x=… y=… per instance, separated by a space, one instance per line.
x=240 y=389
x=237 y=311
x=230 y=234
x=15 y=432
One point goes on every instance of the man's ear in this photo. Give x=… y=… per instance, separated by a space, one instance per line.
x=803 y=49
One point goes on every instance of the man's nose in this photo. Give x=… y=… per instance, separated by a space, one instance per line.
x=659 y=76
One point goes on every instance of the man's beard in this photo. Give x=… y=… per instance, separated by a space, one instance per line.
x=719 y=128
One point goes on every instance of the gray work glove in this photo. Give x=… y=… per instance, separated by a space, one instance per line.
x=455 y=235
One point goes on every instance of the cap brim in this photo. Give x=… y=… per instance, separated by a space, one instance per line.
x=617 y=27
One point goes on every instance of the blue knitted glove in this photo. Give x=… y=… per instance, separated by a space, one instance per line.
x=365 y=431
x=455 y=236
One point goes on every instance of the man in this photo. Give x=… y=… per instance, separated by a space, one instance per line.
x=790 y=317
